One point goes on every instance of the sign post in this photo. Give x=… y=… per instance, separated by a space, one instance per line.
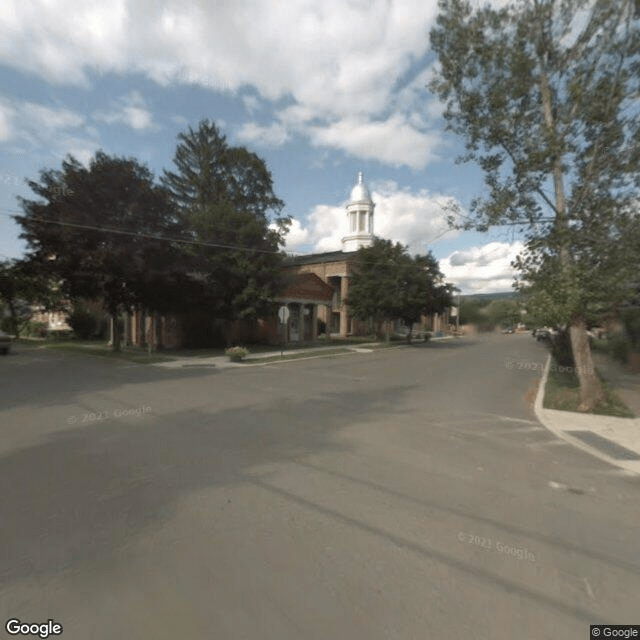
x=283 y=314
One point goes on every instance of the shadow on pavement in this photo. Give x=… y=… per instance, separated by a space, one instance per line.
x=69 y=503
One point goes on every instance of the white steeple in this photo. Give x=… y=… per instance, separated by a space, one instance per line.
x=359 y=218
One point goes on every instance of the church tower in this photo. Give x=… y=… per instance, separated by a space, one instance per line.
x=359 y=218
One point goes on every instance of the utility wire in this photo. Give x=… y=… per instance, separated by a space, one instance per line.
x=139 y=234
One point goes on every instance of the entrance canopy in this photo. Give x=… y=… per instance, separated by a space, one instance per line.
x=305 y=288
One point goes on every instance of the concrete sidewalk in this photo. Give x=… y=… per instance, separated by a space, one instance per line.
x=223 y=362
x=614 y=440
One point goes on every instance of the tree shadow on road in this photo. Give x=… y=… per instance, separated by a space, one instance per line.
x=70 y=502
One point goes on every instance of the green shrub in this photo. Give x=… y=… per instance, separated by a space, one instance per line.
x=82 y=321
x=631 y=322
x=36 y=329
x=619 y=348
x=6 y=325
x=236 y=354
x=60 y=336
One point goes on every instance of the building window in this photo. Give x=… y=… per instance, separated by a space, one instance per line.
x=362 y=215
x=353 y=221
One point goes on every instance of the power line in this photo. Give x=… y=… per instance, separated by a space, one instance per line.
x=138 y=234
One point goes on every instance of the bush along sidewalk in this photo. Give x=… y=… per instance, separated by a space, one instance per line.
x=236 y=354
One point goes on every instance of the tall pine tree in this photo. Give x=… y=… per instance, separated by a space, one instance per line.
x=225 y=198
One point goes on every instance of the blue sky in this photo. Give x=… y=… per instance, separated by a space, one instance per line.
x=320 y=90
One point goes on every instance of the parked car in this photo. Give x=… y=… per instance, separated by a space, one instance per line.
x=543 y=333
x=5 y=342
x=507 y=330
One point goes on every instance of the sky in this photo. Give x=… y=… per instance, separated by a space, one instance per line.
x=319 y=90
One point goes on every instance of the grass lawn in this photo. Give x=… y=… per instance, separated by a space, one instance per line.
x=103 y=350
x=563 y=393
x=325 y=347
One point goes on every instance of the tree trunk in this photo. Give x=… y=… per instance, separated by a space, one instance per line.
x=591 y=392
x=116 y=332
x=409 y=334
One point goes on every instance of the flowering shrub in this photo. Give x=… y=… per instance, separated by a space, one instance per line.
x=236 y=354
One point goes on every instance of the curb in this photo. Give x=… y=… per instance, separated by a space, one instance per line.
x=617 y=431
x=222 y=362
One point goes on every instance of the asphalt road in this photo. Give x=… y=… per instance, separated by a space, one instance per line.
x=405 y=494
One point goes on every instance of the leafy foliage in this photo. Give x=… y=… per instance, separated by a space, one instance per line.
x=388 y=284
x=631 y=321
x=22 y=290
x=503 y=313
x=96 y=231
x=83 y=321
x=545 y=94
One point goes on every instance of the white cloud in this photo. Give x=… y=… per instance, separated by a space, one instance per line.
x=414 y=219
x=51 y=119
x=274 y=135
x=336 y=62
x=130 y=110
x=251 y=103
x=7 y=113
x=39 y=128
x=393 y=141
x=483 y=269
x=296 y=236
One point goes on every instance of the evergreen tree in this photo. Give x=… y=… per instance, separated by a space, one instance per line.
x=225 y=198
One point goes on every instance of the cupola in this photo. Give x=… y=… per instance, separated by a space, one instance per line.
x=359 y=218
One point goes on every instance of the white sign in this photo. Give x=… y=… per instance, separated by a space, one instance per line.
x=283 y=314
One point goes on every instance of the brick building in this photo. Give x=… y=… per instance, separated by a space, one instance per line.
x=316 y=287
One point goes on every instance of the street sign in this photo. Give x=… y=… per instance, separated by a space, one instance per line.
x=283 y=314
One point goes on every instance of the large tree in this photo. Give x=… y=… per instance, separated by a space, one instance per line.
x=545 y=94
x=225 y=198
x=105 y=232
x=387 y=284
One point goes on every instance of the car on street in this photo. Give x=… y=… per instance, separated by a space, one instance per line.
x=5 y=342
x=507 y=330
x=543 y=333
